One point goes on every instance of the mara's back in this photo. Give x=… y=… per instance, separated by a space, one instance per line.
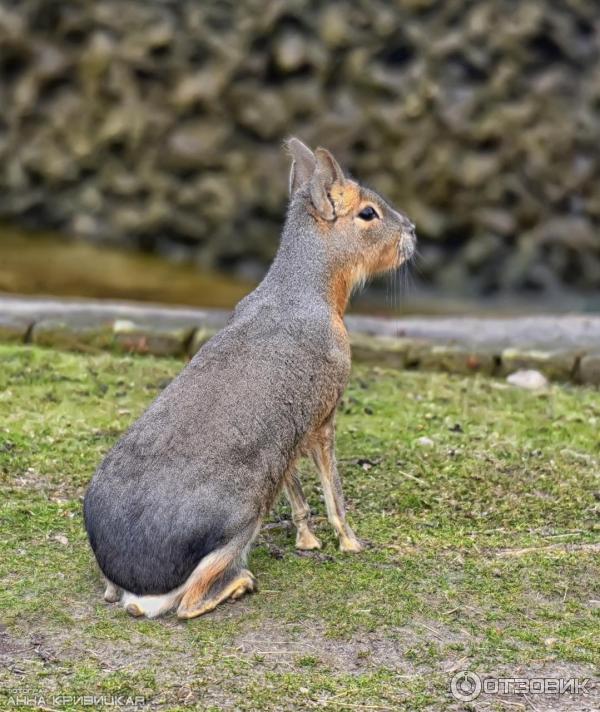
x=224 y=429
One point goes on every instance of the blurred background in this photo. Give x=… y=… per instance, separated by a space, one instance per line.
x=140 y=143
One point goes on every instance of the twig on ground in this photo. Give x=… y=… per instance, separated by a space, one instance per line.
x=503 y=553
x=283 y=524
x=430 y=629
x=412 y=477
x=359 y=706
x=529 y=702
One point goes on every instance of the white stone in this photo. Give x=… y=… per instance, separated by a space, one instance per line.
x=529 y=379
x=424 y=441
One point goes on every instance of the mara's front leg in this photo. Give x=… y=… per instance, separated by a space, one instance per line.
x=323 y=453
x=305 y=539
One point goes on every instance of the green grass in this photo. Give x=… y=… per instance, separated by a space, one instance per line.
x=484 y=549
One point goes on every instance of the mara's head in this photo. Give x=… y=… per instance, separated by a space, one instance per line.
x=362 y=234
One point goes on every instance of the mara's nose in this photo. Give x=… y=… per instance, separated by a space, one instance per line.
x=409 y=227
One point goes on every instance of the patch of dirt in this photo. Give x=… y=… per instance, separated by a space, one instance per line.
x=283 y=647
x=57 y=490
x=186 y=672
x=43 y=660
x=17 y=652
x=500 y=693
x=10 y=647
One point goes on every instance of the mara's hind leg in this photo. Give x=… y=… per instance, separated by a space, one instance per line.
x=220 y=576
x=112 y=592
x=233 y=583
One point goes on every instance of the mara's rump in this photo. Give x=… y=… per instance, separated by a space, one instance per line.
x=149 y=551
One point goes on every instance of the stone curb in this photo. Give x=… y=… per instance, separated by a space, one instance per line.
x=563 y=348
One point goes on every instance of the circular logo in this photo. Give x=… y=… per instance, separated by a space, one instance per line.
x=465 y=686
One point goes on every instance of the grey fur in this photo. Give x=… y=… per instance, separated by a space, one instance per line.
x=203 y=465
x=303 y=164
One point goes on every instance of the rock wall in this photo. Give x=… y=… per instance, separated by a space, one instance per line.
x=159 y=124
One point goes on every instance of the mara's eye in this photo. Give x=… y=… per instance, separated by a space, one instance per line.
x=368 y=213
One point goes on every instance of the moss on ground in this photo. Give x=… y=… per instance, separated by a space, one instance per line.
x=484 y=549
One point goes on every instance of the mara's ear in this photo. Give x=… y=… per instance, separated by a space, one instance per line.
x=303 y=163
x=327 y=174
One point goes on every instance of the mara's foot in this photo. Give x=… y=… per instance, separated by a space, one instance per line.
x=232 y=588
x=306 y=540
x=112 y=593
x=350 y=545
x=135 y=610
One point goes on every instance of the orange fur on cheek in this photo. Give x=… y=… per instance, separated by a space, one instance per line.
x=388 y=260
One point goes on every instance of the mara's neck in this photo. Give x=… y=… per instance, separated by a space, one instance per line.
x=342 y=284
x=303 y=270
